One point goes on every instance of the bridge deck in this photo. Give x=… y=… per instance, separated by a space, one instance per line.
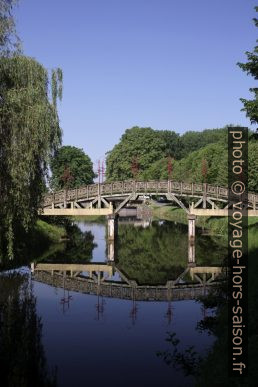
x=98 y=199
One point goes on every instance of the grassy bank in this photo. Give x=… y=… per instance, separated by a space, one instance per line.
x=34 y=243
x=49 y=232
x=215 y=225
x=41 y=237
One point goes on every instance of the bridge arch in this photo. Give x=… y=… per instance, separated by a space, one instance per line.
x=109 y=198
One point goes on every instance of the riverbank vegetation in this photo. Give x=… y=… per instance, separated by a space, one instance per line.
x=30 y=245
x=214 y=225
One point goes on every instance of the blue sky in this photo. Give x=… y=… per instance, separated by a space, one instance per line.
x=168 y=64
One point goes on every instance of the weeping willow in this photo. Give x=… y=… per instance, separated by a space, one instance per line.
x=29 y=135
x=9 y=40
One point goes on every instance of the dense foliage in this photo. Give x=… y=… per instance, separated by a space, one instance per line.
x=71 y=168
x=192 y=141
x=251 y=68
x=29 y=133
x=190 y=168
x=9 y=40
x=140 y=148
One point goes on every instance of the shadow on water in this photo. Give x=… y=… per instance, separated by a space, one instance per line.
x=22 y=358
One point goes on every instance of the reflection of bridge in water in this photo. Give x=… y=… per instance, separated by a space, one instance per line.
x=96 y=279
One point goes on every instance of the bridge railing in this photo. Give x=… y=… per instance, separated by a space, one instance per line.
x=131 y=186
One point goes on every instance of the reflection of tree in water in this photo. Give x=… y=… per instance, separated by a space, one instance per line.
x=22 y=358
x=211 y=368
x=35 y=246
x=188 y=359
x=77 y=248
x=159 y=253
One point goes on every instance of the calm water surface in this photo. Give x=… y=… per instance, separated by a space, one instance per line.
x=94 y=340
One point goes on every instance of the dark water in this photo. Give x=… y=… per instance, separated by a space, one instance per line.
x=91 y=339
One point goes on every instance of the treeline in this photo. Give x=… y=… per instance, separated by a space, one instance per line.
x=146 y=154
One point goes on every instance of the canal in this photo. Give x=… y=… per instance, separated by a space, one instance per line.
x=95 y=321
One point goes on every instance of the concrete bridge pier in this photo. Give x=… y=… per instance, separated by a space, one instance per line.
x=191 y=227
x=112 y=227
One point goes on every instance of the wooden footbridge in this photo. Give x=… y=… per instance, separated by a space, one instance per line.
x=110 y=198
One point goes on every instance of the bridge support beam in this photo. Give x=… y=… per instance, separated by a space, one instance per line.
x=191 y=227
x=112 y=227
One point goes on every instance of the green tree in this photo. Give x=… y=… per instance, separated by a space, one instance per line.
x=206 y=164
x=251 y=68
x=29 y=134
x=9 y=40
x=172 y=143
x=192 y=141
x=142 y=144
x=71 y=168
x=151 y=149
